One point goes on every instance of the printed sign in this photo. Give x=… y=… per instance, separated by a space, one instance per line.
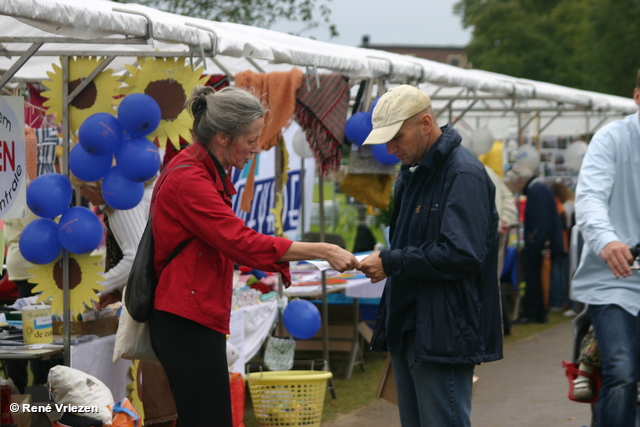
x=13 y=175
x=261 y=218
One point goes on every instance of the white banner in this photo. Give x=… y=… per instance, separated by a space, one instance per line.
x=13 y=171
x=260 y=218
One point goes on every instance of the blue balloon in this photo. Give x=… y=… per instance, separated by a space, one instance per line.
x=374 y=103
x=88 y=167
x=380 y=153
x=39 y=242
x=358 y=127
x=302 y=319
x=49 y=195
x=139 y=114
x=100 y=134
x=138 y=159
x=120 y=193
x=80 y=230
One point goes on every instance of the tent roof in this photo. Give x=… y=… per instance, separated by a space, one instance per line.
x=106 y=28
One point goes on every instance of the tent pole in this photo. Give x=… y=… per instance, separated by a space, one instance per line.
x=302 y=202
x=65 y=254
x=325 y=302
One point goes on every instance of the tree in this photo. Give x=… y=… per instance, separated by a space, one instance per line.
x=588 y=44
x=260 y=13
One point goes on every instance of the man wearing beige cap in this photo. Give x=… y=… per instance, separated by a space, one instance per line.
x=440 y=314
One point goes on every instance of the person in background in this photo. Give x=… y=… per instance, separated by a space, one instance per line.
x=192 y=207
x=124 y=230
x=543 y=237
x=608 y=216
x=439 y=314
x=559 y=294
x=506 y=207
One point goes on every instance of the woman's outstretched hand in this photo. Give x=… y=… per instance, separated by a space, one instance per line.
x=341 y=260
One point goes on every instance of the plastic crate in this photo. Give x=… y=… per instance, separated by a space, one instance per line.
x=288 y=398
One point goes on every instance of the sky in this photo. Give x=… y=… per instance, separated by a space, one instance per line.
x=408 y=22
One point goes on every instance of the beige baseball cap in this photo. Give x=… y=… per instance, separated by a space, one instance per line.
x=393 y=108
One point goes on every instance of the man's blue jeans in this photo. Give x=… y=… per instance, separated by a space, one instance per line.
x=618 y=336
x=431 y=394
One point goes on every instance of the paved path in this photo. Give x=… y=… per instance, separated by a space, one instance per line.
x=525 y=389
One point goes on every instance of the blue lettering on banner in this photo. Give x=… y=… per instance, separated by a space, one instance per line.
x=260 y=218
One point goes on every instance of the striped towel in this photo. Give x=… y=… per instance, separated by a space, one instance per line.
x=47 y=141
x=322 y=113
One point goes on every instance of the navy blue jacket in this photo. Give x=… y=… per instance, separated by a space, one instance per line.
x=443 y=259
x=542 y=223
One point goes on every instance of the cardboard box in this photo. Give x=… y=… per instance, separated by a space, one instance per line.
x=387 y=385
x=99 y=327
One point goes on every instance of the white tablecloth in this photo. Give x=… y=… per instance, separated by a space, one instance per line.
x=363 y=288
x=94 y=357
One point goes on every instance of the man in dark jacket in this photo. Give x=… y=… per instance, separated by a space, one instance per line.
x=440 y=313
x=542 y=232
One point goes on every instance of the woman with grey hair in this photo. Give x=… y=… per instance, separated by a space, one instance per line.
x=191 y=209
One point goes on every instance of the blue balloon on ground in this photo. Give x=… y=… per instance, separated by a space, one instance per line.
x=79 y=230
x=100 y=134
x=358 y=127
x=39 y=242
x=380 y=153
x=88 y=167
x=374 y=103
x=139 y=114
x=120 y=193
x=302 y=319
x=49 y=195
x=138 y=159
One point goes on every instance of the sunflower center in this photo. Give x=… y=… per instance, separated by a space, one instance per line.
x=169 y=95
x=86 y=98
x=75 y=273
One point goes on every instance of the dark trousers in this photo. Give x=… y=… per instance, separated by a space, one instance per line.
x=17 y=369
x=194 y=358
x=533 y=301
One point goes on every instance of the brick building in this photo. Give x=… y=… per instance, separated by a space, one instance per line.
x=452 y=55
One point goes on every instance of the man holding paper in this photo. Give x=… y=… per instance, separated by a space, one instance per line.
x=440 y=312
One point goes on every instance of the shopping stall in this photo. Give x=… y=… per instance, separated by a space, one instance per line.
x=127 y=42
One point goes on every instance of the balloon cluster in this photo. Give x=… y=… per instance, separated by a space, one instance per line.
x=79 y=230
x=137 y=160
x=302 y=319
x=101 y=137
x=357 y=130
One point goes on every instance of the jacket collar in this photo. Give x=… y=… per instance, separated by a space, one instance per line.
x=198 y=152
x=441 y=149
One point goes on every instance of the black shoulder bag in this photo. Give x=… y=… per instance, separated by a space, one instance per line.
x=142 y=282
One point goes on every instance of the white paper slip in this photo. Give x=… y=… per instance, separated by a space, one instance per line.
x=324 y=265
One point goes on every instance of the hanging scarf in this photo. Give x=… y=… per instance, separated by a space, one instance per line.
x=322 y=113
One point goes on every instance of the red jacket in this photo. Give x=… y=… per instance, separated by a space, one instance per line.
x=191 y=202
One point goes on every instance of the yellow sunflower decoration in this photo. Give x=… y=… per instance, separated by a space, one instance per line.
x=84 y=274
x=170 y=82
x=134 y=394
x=97 y=97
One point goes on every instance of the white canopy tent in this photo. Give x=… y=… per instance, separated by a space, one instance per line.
x=37 y=30
x=34 y=33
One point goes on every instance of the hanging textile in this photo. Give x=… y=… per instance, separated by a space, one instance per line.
x=322 y=113
x=278 y=91
x=31 y=152
x=47 y=141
